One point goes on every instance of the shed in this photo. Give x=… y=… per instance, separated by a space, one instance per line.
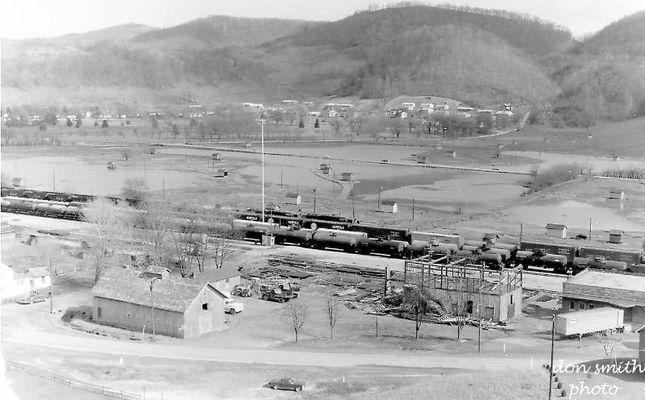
x=556 y=230
x=111 y=165
x=154 y=271
x=221 y=173
x=216 y=157
x=293 y=198
x=326 y=169
x=182 y=308
x=617 y=194
x=616 y=236
x=346 y=176
x=592 y=289
x=389 y=206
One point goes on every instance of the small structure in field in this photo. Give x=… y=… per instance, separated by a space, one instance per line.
x=293 y=198
x=221 y=173
x=617 y=194
x=111 y=165
x=18 y=182
x=223 y=279
x=326 y=169
x=154 y=271
x=216 y=157
x=389 y=206
x=346 y=176
x=616 y=236
x=556 y=230
x=176 y=307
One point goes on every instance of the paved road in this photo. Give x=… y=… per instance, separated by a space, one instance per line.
x=186 y=351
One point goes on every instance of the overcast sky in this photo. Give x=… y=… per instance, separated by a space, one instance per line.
x=46 y=18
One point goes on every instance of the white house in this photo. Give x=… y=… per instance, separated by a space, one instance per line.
x=15 y=284
x=293 y=198
x=556 y=230
x=389 y=206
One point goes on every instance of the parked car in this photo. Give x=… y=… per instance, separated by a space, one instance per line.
x=233 y=307
x=285 y=384
x=31 y=298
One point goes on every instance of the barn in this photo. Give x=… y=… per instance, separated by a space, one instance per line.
x=16 y=283
x=223 y=279
x=179 y=307
x=390 y=206
x=293 y=198
x=556 y=230
x=592 y=289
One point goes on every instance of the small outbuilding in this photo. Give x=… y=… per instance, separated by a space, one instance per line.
x=111 y=165
x=154 y=271
x=293 y=198
x=389 y=206
x=221 y=173
x=556 y=230
x=223 y=279
x=179 y=307
x=326 y=169
x=616 y=236
x=346 y=176
x=617 y=194
x=216 y=157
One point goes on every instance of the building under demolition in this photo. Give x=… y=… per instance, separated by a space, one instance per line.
x=468 y=289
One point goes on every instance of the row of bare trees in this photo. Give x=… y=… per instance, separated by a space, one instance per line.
x=296 y=314
x=165 y=235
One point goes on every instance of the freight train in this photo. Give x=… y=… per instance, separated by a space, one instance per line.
x=347 y=234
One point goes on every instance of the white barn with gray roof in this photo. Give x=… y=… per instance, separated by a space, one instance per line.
x=180 y=307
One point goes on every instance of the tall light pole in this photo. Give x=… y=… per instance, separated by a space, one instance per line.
x=262 y=122
x=152 y=308
x=353 y=211
x=314 y=200
x=379 y=199
x=552 y=346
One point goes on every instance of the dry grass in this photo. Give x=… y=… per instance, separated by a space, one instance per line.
x=508 y=385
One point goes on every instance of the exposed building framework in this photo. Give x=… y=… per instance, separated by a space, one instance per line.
x=468 y=288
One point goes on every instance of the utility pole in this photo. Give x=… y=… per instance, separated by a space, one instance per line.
x=378 y=206
x=552 y=345
x=521 y=229
x=590 y=229
x=413 y=209
x=152 y=308
x=314 y=200
x=353 y=210
x=479 y=315
x=51 y=287
x=262 y=122
x=54 y=181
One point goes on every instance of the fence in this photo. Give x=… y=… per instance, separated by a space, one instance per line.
x=102 y=390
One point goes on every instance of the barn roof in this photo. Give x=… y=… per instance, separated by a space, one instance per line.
x=292 y=195
x=172 y=294
x=388 y=202
x=213 y=274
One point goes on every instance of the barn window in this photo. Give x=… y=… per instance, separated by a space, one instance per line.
x=469 y=307
x=572 y=305
x=511 y=299
x=205 y=306
x=590 y=306
x=582 y=306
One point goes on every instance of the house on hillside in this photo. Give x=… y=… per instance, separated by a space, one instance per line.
x=179 y=307
x=556 y=230
x=293 y=198
x=15 y=283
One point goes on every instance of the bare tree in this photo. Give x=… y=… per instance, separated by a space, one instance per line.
x=332 y=307
x=416 y=304
x=609 y=342
x=157 y=223
x=296 y=314
x=135 y=188
x=107 y=218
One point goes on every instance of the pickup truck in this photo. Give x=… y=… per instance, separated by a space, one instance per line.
x=233 y=307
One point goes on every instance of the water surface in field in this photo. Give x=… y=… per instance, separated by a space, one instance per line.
x=575 y=214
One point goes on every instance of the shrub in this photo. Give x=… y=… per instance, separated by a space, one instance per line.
x=557 y=174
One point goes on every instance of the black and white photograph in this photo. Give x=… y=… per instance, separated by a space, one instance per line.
x=322 y=200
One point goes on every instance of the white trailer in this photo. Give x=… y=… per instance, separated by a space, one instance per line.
x=579 y=323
